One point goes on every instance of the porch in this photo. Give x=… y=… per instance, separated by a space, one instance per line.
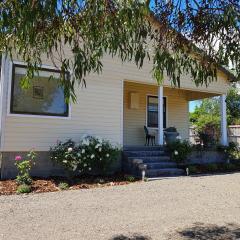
x=141 y=106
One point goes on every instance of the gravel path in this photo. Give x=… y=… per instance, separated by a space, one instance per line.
x=183 y=208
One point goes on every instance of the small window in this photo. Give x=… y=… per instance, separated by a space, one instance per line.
x=152 y=112
x=44 y=96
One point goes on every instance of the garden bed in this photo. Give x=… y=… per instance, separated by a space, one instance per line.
x=213 y=168
x=8 y=187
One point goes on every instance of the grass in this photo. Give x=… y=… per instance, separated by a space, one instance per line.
x=130 y=178
x=24 y=188
x=63 y=185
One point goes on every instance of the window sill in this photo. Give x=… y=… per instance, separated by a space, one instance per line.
x=37 y=116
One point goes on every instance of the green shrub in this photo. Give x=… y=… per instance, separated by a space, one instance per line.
x=24 y=179
x=65 y=154
x=207 y=139
x=212 y=167
x=24 y=188
x=130 y=178
x=90 y=155
x=179 y=150
x=232 y=150
x=63 y=185
x=97 y=154
x=24 y=166
x=192 y=169
x=230 y=167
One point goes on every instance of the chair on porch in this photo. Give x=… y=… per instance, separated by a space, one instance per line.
x=149 y=137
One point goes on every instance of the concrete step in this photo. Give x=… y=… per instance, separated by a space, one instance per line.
x=151 y=159
x=165 y=172
x=143 y=148
x=161 y=165
x=144 y=153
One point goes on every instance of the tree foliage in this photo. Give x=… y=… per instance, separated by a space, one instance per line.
x=122 y=28
x=208 y=112
x=206 y=115
x=233 y=106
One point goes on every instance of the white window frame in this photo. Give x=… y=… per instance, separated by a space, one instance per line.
x=9 y=114
x=146 y=122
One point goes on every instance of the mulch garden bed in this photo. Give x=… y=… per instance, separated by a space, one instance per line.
x=8 y=187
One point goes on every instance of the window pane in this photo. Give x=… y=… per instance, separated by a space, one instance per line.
x=43 y=97
x=152 y=112
x=152 y=119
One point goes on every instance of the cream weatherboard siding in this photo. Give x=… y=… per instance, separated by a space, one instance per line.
x=99 y=110
x=135 y=119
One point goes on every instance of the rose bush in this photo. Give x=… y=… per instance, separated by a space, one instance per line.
x=90 y=155
x=24 y=166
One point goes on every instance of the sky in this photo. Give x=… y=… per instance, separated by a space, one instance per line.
x=193 y=104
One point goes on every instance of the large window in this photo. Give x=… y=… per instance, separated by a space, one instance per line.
x=43 y=96
x=152 y=111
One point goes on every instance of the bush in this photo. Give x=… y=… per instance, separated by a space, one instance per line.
x=130 y=178
x=24 y=188
x=179 y=150
x=66 y=155
x=192 y=169
x=206 y=139
x=230 y=167
x=24 y=166
x=232 y=150
x=90 y=155
x=97 y=154
x=212 y=167
x=63 y=185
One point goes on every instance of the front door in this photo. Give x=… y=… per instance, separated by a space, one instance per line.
x=152 y=112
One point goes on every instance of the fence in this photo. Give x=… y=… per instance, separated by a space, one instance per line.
x=233 y=134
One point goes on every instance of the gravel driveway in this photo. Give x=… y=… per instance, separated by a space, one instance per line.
x=183 y=208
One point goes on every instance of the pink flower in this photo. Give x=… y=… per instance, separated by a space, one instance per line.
x=18 y=158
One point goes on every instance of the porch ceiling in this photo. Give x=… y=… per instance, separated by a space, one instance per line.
x=189 y=94
x=196 y=95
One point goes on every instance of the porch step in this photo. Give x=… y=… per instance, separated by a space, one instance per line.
x=166 y=172
x=161 y=165
x=151 y=159
x=156 y=161
x=143 y=148
x=153 y=153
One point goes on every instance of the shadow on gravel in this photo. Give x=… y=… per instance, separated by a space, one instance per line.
x=202 y=231
x=134 y=237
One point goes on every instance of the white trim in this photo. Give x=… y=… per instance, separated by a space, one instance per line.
x=122 y=113
x=9 y=114
x=160 y=115
x=223 y=108
x=40 y=66
x=154 y=95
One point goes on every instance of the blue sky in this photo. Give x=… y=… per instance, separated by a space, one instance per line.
x=193 y=104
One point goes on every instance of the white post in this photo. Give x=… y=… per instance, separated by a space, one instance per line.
x=224 y=137
x=160 y=115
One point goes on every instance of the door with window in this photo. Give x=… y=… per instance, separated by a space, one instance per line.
x=152 y=112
